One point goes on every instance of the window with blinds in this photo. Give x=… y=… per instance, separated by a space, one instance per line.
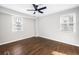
x=68 y=22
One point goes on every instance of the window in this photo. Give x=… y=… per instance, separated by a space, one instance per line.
x=68 y=22
x=17 y=23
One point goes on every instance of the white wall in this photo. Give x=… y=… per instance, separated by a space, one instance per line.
x=37 y=27
x=49 y=27
x=6 y=34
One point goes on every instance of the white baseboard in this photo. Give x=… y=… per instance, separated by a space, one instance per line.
x=38 y=36
x=14 y=40
x=50 y=38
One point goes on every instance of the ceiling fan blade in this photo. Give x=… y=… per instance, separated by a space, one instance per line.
x=34 y=13
x=30 y=10
x=35 y=7
x=40 y=11
x=42 y=8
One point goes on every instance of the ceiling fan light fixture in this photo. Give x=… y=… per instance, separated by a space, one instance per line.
x=36 y=9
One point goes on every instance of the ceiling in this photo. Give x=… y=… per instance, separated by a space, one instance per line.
x=51 y=8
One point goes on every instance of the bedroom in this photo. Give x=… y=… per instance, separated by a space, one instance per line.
x=37 y=32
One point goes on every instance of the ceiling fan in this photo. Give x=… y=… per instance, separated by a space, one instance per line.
x=37 y=9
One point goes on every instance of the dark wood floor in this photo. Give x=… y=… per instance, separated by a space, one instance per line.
x=38 y=46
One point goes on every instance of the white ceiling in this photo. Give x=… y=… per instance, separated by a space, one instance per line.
x=51 y=8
